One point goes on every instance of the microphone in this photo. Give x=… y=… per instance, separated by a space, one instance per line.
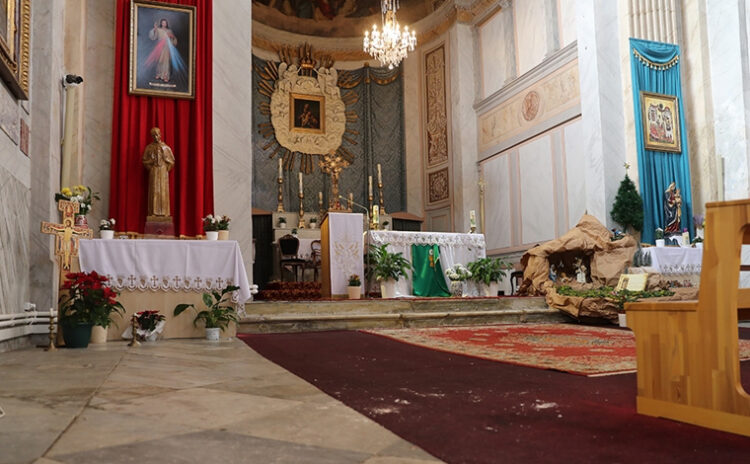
x=355 y=203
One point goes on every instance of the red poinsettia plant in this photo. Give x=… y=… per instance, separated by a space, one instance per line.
x=88 y=300
x=148 y=319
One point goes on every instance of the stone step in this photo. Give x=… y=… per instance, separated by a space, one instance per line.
x=273 y=317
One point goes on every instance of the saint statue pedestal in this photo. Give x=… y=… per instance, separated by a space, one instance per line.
x=159 y=227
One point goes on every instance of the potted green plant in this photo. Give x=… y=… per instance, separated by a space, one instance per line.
x=355 y=287
x=698 y=242
x=282 y=223
x=659 y=236
x=313 y=223
x=387 y=268
x=107 y=229
x=458 y=274
x=211 y=227
x=223 y=227
x=86 y=302
x=386 y=225
x=488 y=273
x=218 y=314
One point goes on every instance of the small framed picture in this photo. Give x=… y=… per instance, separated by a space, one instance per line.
x=307 y=113
x=661 y=122
x=632 y=282
x=162 y=49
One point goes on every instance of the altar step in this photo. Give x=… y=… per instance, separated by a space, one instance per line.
x=311 y=316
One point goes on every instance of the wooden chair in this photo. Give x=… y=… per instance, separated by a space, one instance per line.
x=314 y=262
x=288 y=248
x=688 y=351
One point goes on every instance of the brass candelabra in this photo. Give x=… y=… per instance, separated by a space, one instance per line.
x=280 y=207
x=301 y=223
x=381 y=200
x=134 y=331
x=51 y=345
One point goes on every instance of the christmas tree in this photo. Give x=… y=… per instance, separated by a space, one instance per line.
x=628 y=208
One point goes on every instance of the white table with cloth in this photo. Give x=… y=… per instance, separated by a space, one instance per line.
x=159 y=274
x=453 y=248
x=676 y=263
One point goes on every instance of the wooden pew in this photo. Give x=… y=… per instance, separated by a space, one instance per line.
x=688 y=351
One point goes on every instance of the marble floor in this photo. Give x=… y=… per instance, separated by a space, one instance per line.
x=178 y=401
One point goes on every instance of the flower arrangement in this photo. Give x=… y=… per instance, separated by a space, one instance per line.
x=79 y=194
x=210 y=223
x=223 y=222
x=354 y=281
x=107 y=224
x=88 y=300
x=659 y=233
x=458 y=273
x=699 y=221
x=147 y=320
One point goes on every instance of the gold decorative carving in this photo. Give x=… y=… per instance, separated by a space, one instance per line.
x=15 y=46
x=438 y=185
x=556 y=93
x=437 y=120
x=290 y=86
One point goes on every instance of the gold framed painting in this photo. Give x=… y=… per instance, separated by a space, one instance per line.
x=15 y=24
x=162 y=49
x=307 y=113
x=661 y=122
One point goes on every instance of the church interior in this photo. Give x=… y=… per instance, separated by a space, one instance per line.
x=374 y=231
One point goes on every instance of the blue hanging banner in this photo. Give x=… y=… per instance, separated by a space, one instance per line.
x=655 y=69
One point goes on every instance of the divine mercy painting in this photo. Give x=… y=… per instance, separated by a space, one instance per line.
x=661 y=122
x=162 y=49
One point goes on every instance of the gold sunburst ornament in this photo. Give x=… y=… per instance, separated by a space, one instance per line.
x=391 y=45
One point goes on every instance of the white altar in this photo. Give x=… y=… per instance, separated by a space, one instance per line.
x=159 y=274
x=454 y=249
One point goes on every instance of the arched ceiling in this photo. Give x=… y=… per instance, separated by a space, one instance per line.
x=334 y=18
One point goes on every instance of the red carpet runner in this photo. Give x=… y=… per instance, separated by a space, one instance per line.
x=468 y=410
x=577 y=349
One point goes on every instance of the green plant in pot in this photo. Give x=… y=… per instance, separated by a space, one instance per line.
x=387 y=268
x=219 y=312
x=488 y=272
x=86 y=301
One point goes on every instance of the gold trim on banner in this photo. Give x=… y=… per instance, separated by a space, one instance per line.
x=386 y=80
x=654 y=65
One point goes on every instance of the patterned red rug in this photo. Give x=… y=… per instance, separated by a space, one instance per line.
x=577 y=349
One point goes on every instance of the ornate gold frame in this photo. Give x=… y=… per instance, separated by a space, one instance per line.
x=14 y=48
x=667 y=100
x=132 y=80
x=319 y=98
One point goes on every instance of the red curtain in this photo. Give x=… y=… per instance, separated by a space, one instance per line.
x=185 y=125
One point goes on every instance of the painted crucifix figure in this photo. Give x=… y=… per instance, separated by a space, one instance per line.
x=66 y=234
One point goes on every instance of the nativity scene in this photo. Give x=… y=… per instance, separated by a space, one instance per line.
x=346 y=230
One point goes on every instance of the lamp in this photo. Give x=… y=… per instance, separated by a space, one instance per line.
x=390 y=45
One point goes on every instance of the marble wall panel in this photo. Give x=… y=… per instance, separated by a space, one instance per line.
x=530 y=33
x=566 y=13
x=575 y=171
x=232 y=119
x=14 y=243
x=537 y=191
x=497 y=202
x=496 y=51
x=412 y=131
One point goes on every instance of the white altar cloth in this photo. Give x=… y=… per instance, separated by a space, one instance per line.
x=675 y=260
x=176 y=265
x=454 y=249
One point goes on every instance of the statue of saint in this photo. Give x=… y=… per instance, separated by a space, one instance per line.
x=158 y=159
x=672 y=210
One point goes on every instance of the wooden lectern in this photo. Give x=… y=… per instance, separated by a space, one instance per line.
x=342 y=251
x=688 y=351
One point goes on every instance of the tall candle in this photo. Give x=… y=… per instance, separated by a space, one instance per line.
x=351 y=197
x=380 y=175
x=281 y=171
x=375 y=214
x=472 y=218
x=300 y=182
x=370 y=182
x=320 y=197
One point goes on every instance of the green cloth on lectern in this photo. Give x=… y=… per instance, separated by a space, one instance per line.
x=427 y=278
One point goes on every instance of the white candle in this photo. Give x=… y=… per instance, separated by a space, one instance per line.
x=370 y=182
x=375 y=214
x=351 y=197
x=281 y=171
x=320 y=197
x=380 y=175
x=300 y=182
x=473 y=218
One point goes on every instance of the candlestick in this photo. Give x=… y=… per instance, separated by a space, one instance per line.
x=369 y=202
x=51 y=345
x=300 y=182
x=472 y=221
x=281 y=170
x=321 y=211
x=350 y=202
x=134 y=331
x=301 y=224
x=375 y=217
x=380 y=175
x=280 y=207
x=369 y=191
x=381 y=199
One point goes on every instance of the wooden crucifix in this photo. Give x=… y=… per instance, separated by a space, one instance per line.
x=66 y=235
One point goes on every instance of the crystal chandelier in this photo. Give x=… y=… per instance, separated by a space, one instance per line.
x=390 y=45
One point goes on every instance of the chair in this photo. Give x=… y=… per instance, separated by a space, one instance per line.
x=288 y=248
x=314 y=262
x=516 y=279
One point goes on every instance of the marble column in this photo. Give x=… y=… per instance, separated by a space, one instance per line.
x=412 y=134
x=727 y=27
x=47 y=67
x=603 y=127
x=232 y=120
x=464 y=129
